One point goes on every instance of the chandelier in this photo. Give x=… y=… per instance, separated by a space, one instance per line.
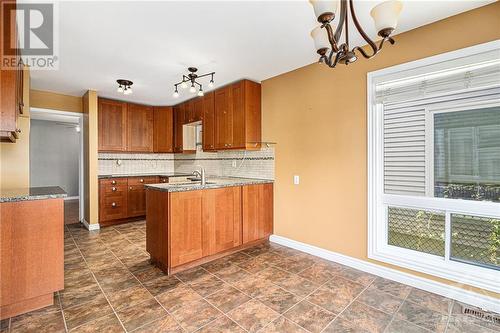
x=327 y=42
x=191 y=78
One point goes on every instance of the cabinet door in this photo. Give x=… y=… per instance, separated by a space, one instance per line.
x=208 y=122
x=189 y=112
x=221 y=219
x=186 y=227
x=178 y=122
x=136 y=200
x=112 y=125
x=238 y=114
x=163 y=141
x=223 y=118
x=140 y=126
x=198 y=108
x=257 y=211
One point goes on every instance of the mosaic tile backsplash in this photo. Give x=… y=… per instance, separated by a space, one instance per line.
x=252 y=164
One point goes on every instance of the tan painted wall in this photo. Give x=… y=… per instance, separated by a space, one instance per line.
x=318 y=118
x=55 y=101
x=91 y=186
x=14 y=157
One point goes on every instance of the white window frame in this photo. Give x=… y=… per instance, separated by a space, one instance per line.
x=378 y=201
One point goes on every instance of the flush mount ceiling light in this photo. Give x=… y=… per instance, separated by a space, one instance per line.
x=124 y=86
x=385 y=15
x=190 y=80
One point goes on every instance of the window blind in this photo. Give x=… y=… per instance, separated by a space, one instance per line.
x=473 y=76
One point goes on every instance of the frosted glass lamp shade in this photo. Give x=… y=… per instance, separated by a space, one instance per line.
x=386 y=14
x=320 y=37
x=325 y=9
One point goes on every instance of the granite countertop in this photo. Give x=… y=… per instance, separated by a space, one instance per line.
x=161 y=174
x=212 y=182
x=32 y=193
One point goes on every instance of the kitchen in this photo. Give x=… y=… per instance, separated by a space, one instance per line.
x=327 y=166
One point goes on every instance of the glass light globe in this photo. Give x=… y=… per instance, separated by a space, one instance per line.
x=211 y=84
x=200 y=93
x=320 y=37
x=184 y=85
x=322 y=6
x=386 y=14
x=120 y=89
x=192 y=89
x=175 y=94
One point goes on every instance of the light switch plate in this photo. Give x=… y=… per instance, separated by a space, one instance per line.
x=296 y=180
x=234 y=164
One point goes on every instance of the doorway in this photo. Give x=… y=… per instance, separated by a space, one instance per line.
x=56 y=156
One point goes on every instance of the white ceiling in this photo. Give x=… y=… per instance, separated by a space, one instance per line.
x=153 y=43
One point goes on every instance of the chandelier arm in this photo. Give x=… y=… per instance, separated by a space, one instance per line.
x=335 y=61
x=370 y=42
x=331 y=37
x=342 y=18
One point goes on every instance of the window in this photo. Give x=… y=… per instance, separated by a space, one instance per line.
x=434 y=165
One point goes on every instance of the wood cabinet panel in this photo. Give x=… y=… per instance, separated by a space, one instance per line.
x=257 y=211
x=208 y=122
x=198 y=108
x=223 y=118
x=178 y=122
x=221 y=219
x=136 y=200
x=238 y=114
x=112 y=125
x=157 y=230
x=31 y=254
x=140 y=125
x=185 y=227
x=163 y=139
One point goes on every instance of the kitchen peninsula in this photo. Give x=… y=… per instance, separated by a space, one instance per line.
x=190 y=224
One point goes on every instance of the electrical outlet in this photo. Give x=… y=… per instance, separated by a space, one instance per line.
x=234 y=164
x=296 y=180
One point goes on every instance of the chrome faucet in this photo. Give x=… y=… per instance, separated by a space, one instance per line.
x=201 y=174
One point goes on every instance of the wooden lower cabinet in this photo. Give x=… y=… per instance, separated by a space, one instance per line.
x=221 y=219
x=31 y=254
x=123 y=198
x=187 y=228
x=257 y=211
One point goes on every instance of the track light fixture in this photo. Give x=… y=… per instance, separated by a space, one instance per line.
x=192 y=78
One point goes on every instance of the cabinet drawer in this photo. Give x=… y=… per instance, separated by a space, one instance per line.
x=142 y=180
x=113 y=207
x=113 y=181
x=113 y=190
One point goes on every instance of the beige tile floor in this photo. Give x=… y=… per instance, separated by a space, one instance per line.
x=111 y=287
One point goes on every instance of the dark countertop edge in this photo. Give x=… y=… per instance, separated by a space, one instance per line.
x=33 y=193
x=177 y=174
x=179 y=188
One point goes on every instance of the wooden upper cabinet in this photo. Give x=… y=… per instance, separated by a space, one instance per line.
x=198 y=109
x=238 y=116
x=257 y=212
x=208 y=122
x=189 y=111
x=223 y=118
x=163 y=141
x=185 y=227
x=140 y=126
x=221 y=219
x=112 y=125
x=178 y=122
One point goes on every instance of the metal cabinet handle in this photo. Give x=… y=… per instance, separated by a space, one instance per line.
x=229 y=144
x=113 y=204
x=113 y=182
x=142 y=180
x=130 y=188
x=164 y=180
x=114 y=189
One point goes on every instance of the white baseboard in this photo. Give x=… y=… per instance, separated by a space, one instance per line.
x=90 y=227
x=482 y=301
